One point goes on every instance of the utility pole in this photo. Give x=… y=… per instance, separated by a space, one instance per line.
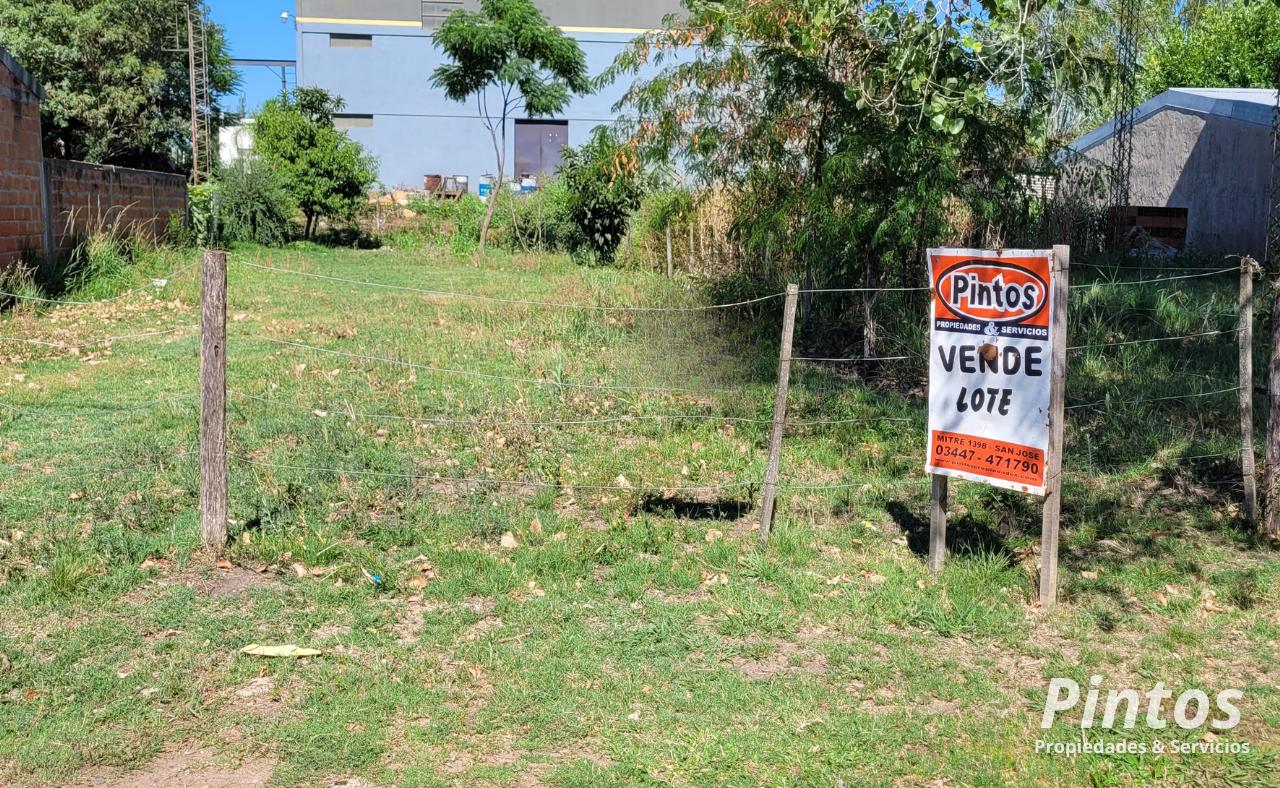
x=192 y=38
x=1126 y=113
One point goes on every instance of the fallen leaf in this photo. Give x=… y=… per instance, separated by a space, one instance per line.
x=289 y=650
x=299 y=570
x=224 y=565
x=508 y=541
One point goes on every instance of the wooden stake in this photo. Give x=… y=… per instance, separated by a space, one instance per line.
x=938 y=523
x=1246 y=391
x=779 y=413
x=670 y=270
x=213 y=401
x=1272 y=493
x=692 y=266
x=1052 y=511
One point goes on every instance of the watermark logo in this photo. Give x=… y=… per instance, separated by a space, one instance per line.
x=1126 y=709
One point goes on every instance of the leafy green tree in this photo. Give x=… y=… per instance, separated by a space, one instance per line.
x=509 y=59
x=327 y=173
x=118 y=93
x=854 y=134
x=603 y=183
x=1229 y=45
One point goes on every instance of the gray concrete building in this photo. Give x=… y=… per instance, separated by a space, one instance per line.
x=1206 y=151
x=379 y=55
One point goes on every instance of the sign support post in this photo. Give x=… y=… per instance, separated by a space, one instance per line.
x=1057 y=400
x=938 y=523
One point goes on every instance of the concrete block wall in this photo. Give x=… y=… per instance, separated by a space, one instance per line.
x=21 y=218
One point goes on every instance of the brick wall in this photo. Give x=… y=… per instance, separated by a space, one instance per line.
x=86 y=198
x=47 y=204
x=21 y=221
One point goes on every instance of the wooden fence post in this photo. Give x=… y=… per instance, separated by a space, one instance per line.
x=1272 y=492
x=670 y=270
x=1246 y=391
x=692 y=263
x=779 y=413
x=1052 y=510
x=938 y=523
x=213 y=400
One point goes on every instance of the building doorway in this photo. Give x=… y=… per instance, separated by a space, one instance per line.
x=540 y=147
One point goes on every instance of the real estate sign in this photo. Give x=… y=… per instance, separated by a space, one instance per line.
x=990 y=366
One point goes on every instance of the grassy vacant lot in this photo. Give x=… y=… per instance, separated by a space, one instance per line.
x=621 y=626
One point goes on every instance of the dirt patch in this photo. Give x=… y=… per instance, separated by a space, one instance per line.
x=786 y=658
x=192 y=766
x=260 y=697
x=409 y=618
x=230 y=582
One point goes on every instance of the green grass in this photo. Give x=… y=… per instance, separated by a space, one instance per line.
x=622 y=641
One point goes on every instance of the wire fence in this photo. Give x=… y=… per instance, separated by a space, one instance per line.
x=680 y=404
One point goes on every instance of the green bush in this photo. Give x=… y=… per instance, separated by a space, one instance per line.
x=603 y=184
x=201 y=201
x=455 y=223
x=255 y=204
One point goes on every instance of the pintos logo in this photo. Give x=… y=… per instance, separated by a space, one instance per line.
x=993 y=292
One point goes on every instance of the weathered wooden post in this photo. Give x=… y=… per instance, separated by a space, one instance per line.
x=213 y=400
x=938 y=523
x=779 y=413
x=1052 y=510
x=1247 y=267
x=1272 y=493
x=670 y=267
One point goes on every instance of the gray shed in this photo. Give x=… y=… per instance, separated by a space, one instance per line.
x=1205 y=150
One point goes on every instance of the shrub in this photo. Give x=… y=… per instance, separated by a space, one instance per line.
x=453 y=222
x=254 y=204
x=603 y=183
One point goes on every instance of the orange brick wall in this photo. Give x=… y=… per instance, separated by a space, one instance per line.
x=87 y=198
x=74 y=198
x=21 y=220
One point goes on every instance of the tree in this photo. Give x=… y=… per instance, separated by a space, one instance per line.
x=1229 y=45
x=508 y=48
x=327 y=173
x=852 y=135
x=118 y=93
x=603 y=183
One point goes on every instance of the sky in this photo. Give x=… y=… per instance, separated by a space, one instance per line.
x=254 y=30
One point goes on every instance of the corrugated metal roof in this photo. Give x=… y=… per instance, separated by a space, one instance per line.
x=24 y=76
x=1249 y=105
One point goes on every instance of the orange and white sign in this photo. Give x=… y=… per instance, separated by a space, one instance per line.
x=989 y=366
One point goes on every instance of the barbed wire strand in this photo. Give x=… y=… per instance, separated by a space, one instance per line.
x=482 y=375
x=485 y=480
x=343 y=410
x=152 y=285
x=1154 y=399
x=511 y=301
x=1156 y=339
x=96 y=342
x=97 y=406
x=1215 y=272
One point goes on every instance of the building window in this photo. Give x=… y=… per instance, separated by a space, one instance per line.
x=349 y=121
x=434 y=12
x=349 y=41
